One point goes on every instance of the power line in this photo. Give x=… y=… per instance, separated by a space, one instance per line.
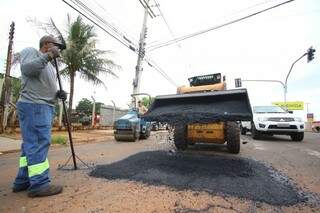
x=164 y=19
x=186 y=64
x=154 y=65
x=151 y=64
x=100 y=19
x=216 y=27
x=146 y=5
x=103 y=29
x=115 y=19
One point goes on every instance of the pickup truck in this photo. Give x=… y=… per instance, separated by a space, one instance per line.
x=273 y=120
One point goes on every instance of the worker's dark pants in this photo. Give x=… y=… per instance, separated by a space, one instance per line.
x=35 y=125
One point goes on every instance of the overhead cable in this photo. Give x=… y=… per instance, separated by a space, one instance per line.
x=215 y=27
x=150 y=63
x=102 y=28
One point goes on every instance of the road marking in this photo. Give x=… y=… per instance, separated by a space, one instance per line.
x=259 y=147
x=312 y=152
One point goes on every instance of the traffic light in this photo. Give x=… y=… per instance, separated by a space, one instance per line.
x=310 y=54
x=238 y=82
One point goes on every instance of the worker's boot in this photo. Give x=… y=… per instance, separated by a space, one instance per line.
x=20 y=188
x=46 y=191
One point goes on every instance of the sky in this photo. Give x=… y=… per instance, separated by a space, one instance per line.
x=260 y=48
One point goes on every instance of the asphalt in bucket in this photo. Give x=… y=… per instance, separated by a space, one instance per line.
x=222 y=175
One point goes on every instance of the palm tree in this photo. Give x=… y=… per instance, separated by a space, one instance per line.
x=82 y=58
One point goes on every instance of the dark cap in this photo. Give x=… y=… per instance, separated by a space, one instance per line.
x=47 y=38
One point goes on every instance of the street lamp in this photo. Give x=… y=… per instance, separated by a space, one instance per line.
x=309 y=53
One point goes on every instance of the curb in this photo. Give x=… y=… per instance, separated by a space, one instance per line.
x=9 y=151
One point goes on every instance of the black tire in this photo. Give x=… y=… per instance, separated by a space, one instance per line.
x=145 y=135
x=233 y=137
x=155 y=128
x=297 y=136
x=254 y=132
x=136 y=136
x=180 y=137
x=243 y=131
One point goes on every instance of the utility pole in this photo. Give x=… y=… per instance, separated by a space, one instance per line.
x=6 y=89
x=307 y=104
x=141 y=53
x=93 y=111
x=113 y=112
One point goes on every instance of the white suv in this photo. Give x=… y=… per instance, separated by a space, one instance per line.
x=273 y=120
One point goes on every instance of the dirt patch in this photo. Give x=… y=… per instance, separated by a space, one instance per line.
x=88 y=136
x=239 y=177
x=83 y=136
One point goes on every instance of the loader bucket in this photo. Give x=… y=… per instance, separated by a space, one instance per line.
x=204 y=107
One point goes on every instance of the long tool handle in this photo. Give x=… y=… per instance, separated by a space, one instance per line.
x=67 y=118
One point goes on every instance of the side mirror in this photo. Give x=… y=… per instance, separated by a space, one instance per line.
x=290 y=111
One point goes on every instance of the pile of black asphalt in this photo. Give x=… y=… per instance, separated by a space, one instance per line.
x=215 y=174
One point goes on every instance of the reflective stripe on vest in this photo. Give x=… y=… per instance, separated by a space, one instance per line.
x=38 y=169
x=23 y=162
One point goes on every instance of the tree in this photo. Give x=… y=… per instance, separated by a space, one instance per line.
x=15 y=93
x=81 y=57
x=146 y=102
x=15 y=87
x=85 y=106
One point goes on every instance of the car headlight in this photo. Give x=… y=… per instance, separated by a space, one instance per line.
x=298 y=119
x=262 y=119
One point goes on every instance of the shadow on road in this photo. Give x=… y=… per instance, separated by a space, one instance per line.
x=275 y=138
x=216 y=174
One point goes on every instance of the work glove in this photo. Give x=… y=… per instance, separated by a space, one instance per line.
x=53 y=52
x=61 y=94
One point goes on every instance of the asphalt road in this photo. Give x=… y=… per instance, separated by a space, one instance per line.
x=275 y=171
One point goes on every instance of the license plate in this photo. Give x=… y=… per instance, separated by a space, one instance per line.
x=283 y=125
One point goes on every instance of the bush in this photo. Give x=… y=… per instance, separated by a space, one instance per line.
x=59 y=139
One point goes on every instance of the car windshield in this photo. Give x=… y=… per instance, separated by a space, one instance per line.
x=268 y=109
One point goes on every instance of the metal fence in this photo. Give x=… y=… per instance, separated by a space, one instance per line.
x=108 y=114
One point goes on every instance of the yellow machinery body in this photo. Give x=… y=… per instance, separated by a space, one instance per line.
x=205 y=133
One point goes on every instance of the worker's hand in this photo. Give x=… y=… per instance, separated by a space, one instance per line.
x=61 y=94
x=53 y=52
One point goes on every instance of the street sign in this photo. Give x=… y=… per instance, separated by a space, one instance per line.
x=292 y=105
x=310 y=118
x=310 y=115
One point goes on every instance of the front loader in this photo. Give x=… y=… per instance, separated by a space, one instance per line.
x=204 y=112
